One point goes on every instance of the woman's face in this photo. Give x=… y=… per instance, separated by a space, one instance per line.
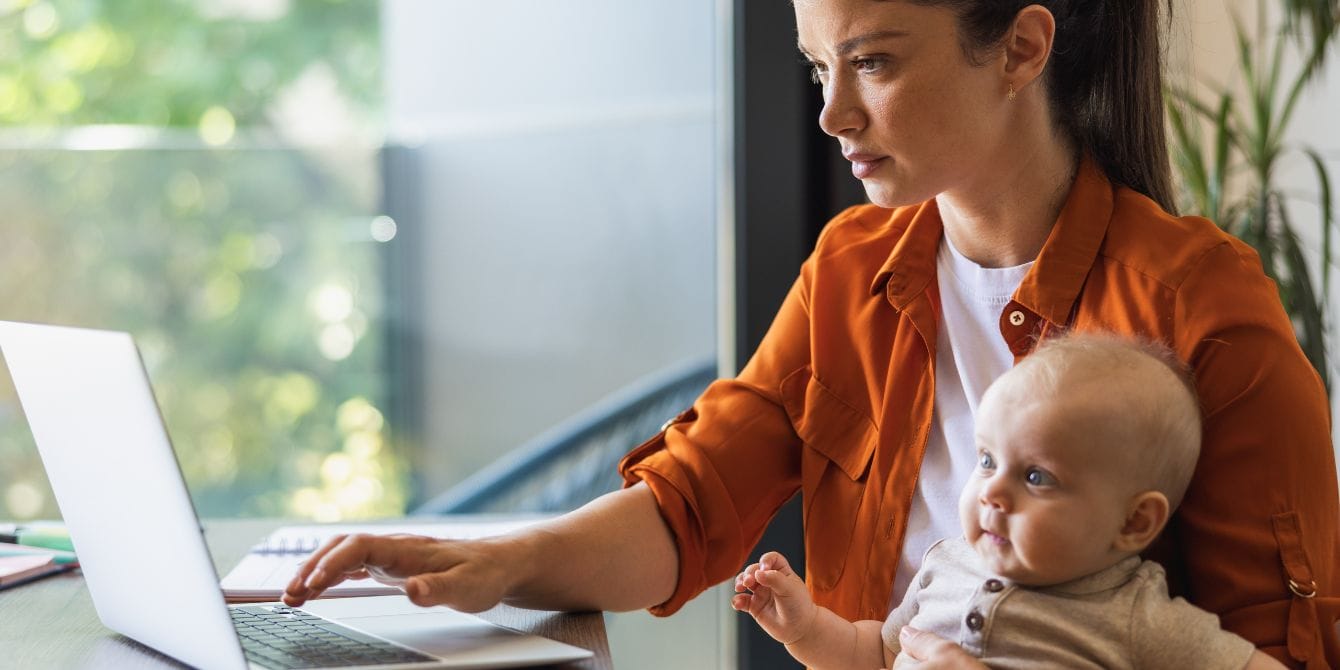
x=914 y=115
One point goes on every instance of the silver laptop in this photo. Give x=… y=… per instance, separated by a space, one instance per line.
x=120 y=490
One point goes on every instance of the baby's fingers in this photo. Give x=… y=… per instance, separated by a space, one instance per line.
x=740 y=602
x=748 y=578
x=775 y=561
x=783 y=583
x=755 y=603
x=745 y=580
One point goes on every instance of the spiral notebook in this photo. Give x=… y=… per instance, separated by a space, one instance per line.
x=264 y=572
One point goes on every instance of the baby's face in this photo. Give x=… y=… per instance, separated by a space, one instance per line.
x=1046 y=502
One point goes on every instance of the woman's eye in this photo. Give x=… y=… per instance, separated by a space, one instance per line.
x=985 y=461
x=868 y=65
x=1039 y=477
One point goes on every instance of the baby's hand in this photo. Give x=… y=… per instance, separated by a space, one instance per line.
x=770 y=591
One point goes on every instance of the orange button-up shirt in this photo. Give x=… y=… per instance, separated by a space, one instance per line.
x=837 y=402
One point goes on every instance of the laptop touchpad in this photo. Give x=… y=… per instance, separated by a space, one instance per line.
x=441 y=633
x=454 y=636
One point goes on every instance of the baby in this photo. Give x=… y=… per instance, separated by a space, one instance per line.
x=1083 y=451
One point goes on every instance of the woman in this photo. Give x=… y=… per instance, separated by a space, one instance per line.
x=1015 y=157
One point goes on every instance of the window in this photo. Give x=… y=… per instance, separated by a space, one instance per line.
x=366 y=248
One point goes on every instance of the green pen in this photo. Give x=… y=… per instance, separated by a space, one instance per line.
x=46 y=535
x=61 y=557
x=47 y=538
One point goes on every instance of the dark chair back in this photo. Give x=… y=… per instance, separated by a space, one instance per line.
x=574 y=462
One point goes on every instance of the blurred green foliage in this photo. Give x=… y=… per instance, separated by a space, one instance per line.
x=164 y=63
x=247 y=271
x=1242 y=134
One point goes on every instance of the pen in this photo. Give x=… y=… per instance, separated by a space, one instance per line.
x=47 y=535
x=60 y=557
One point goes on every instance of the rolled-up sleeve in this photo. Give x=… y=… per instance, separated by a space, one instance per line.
x=1262 y=509
x=721 y=470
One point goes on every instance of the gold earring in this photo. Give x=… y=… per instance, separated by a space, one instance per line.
x=1011 y=94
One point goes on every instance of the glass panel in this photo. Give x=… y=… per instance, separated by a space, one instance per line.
x=251 y=281
x=562 y=200
x=339 y=325
x=201 y=175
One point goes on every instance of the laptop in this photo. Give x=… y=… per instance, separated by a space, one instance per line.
x=120 y=490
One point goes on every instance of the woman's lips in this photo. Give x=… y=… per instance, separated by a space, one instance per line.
x=863 y=165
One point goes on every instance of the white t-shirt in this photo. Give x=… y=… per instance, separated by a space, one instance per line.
x=969 y=354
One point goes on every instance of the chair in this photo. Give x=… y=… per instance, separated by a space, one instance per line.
x=574 y=462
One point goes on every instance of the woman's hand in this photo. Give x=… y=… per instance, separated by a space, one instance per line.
x=615 y=553
x=936 y=652
x=470 y=576
x=772 y=593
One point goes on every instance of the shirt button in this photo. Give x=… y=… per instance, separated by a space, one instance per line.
x=975 y=621
x=1016 y=318
x=994 y=585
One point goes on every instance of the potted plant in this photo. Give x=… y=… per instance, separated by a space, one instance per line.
x=1230 y=176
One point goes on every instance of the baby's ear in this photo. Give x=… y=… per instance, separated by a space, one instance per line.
x=1146 y=515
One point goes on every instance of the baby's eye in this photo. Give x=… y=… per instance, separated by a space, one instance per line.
x=985 y=461
x=1039 y=477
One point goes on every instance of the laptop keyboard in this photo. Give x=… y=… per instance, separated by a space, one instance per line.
x=282 y=637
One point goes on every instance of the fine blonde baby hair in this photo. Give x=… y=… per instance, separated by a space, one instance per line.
x=1145 y=385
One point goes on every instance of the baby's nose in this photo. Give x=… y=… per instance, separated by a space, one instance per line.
x=995 y=496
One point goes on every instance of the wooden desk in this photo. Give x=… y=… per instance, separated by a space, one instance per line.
x=51 y=623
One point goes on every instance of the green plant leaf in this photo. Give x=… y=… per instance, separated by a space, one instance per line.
x=1302 y=301
x=1234 y=219
x=1256 y=231
x=1223 y=135
x=1234 y=121
x=1299 y=83
x=1245 y=60
x=1313 y=23
x=1187 y=155
x=1276 y=63
x=1327 y=218
x=1188 y=98
x=1258 y=138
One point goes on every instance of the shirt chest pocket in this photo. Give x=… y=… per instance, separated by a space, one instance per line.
x=839 y=445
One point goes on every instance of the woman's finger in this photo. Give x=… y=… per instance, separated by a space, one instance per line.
x=935 y=651
x=309 y=563
x=466 y=589
x=390 y=557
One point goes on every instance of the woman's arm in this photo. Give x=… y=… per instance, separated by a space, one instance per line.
x=1267 y=431
x=615 y=553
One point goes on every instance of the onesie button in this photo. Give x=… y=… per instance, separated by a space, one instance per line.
x=975 y=621
x=1016 y=318
x=994 y=585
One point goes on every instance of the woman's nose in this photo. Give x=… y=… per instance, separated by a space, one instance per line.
x=842 y=113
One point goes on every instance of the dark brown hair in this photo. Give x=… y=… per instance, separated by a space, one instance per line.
x=1104 y=79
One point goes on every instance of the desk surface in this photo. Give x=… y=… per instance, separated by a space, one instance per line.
x=51 y=623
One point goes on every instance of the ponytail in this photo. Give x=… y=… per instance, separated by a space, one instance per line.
x=1106 y=86
x=1104 y=80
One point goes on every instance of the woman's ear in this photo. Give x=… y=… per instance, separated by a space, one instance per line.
x=1146 y=515
x=1028 y=46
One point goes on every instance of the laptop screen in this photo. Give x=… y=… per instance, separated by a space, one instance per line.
x=116 y=479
